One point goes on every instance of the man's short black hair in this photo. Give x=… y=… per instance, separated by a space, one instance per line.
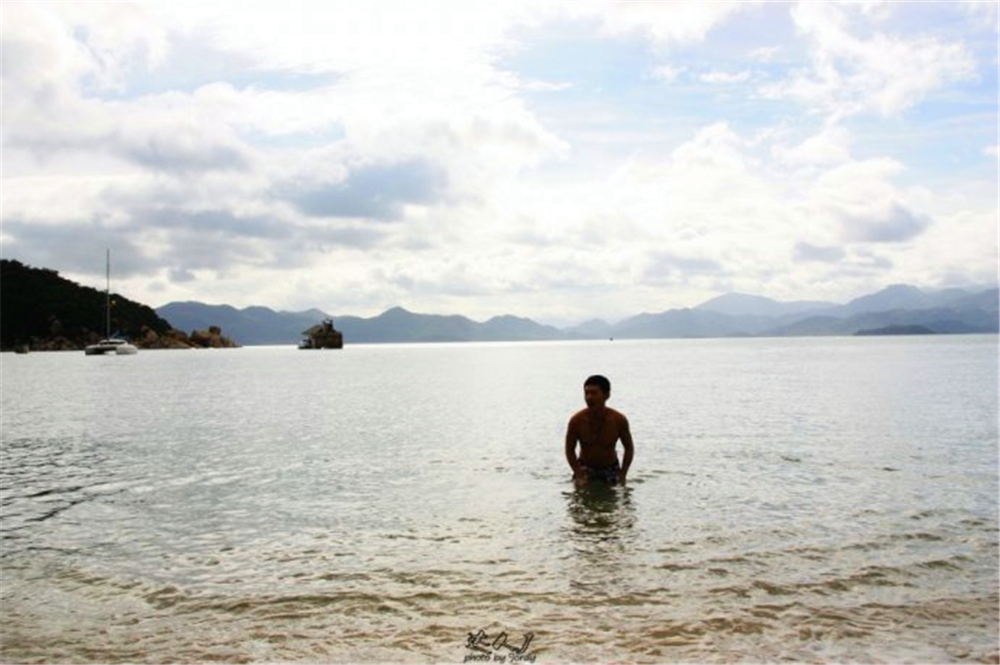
x=599 y=381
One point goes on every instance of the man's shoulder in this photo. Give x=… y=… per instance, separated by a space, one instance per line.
x=583 y=414
x=617 y=415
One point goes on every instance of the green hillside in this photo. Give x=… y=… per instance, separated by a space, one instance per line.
x=43 y=310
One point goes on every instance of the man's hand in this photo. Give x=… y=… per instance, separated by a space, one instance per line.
x=581 y=477
x=621 y=477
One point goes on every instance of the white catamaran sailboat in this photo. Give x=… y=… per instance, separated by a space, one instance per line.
x=110 y=344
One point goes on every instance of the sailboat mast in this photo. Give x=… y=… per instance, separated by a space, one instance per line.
x=107 y=295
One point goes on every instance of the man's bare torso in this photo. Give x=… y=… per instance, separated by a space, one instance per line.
x=597 y=435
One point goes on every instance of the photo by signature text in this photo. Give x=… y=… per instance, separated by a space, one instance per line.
x=499 y=649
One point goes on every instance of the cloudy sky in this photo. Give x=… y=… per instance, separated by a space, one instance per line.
x=561 y=161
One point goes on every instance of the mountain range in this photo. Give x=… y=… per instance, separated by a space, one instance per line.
x=896 y=308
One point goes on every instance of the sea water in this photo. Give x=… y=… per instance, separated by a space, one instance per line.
x=816 y=500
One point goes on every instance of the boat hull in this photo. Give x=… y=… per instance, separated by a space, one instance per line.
x=115 y=347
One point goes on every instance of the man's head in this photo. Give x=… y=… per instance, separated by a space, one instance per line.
x=596 y=391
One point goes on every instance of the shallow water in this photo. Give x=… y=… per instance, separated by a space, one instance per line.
x=817 y=500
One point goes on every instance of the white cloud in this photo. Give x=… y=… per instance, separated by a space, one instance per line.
x=765 y=53
x=350 y=38
x=830 y=146
x=882 y=74
x=93 y=44
x=667 y=23
x=805 y=251
x=860 y=197
x=987 y=13
x=666 y=73
x=726 y=78
x=353 y=157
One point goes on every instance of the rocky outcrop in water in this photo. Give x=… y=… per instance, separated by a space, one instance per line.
x=211 y=339
x=322 y=336
x=177 y=339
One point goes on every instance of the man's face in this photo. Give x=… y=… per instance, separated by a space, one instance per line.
x=594 y=397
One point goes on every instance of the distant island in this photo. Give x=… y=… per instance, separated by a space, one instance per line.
x=896 y=330
x=44 y=311
x=41 y=311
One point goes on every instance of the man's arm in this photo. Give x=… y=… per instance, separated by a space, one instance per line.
x=626 y=437
x=571 y=448
x=579 y=475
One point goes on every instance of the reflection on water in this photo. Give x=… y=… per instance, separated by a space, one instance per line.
x=601 y=531
x=601 y=515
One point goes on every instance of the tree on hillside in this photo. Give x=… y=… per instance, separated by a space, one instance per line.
x=37 y=306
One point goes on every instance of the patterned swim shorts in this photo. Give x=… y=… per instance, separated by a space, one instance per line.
x=607 y=474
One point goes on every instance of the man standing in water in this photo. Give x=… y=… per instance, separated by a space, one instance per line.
x=597 y=429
